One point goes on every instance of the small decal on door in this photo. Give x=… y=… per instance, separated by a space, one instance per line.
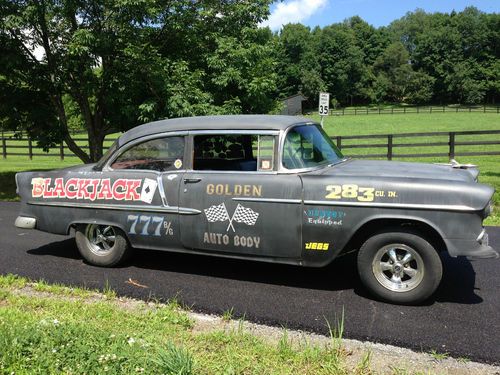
x=241 y=214
x=317 y=246
x=148 y=190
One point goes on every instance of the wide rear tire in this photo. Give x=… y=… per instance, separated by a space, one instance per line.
x=399 y=266
x=102 y=245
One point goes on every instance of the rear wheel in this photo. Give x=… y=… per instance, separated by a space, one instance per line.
x=102 y=245
x=399 y=266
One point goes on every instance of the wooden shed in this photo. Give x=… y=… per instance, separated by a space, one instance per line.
x=292 y=105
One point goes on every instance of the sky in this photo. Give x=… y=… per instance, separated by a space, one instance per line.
x=376 y=12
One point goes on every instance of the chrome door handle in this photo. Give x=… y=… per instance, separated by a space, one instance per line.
x=191 y=180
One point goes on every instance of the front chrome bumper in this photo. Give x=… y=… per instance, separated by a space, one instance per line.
x=25 y=222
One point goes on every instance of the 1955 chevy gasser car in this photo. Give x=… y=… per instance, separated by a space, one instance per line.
x=268 y=188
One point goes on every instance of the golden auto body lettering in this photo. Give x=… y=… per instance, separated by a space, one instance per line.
x=359 y=193
x=235 y=190
x=235 y=240
x=94 y=189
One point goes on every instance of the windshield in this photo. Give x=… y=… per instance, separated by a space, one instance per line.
x=308 y=146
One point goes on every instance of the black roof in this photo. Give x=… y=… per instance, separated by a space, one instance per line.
x=231 y=122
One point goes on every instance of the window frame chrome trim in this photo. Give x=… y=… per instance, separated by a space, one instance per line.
x=130 y=144
x=274 y=133
x=282 y=169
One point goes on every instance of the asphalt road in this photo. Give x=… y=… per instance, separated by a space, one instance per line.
x=463 y=318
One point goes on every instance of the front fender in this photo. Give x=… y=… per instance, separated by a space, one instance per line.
x=385 y=221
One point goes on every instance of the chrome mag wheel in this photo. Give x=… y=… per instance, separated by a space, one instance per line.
x=101 y=238
x=398 y=267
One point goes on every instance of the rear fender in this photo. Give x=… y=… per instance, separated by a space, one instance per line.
x=112 y=223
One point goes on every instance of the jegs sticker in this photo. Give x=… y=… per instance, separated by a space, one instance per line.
x=317 y=246
x=94 y=188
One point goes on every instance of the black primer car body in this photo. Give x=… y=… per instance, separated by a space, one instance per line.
x=268 y=188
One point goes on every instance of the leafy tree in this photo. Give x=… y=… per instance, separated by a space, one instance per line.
x=113 y=64
x=294 y=42
x=342 y=66
x=396 y=79
x=458 y=50
x=243 y=71
x=88 y=55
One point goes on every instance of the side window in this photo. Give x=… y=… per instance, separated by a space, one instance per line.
x=233 y=152
x=161 y=154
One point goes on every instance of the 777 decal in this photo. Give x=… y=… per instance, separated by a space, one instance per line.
x=240 y=215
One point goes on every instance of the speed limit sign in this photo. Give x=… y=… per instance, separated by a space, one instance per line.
x=324 y=104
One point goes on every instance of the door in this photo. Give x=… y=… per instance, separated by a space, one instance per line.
x=159 y=161
x=240 y=211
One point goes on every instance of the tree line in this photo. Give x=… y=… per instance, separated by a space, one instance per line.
x=108 y=65
x=420 y=58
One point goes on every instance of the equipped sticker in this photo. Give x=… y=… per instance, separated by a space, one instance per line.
x=178 y=163
x=317 y=246
x=94 y=188
x=352 y=191
x=145 y=225
x=319 y=216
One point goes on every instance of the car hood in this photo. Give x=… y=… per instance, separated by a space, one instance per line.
x=400 y=170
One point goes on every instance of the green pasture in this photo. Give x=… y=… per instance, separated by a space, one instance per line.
x=53 y=329
x=346 y=126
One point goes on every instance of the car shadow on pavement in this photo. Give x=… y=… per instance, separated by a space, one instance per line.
x=63 y=249
x=459 y=280
x=340 y=275
x=457 y=286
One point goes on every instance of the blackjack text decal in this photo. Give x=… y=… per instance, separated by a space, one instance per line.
x=95 y=189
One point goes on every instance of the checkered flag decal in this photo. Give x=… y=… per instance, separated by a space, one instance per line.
x=217 y=213
x=245 y=215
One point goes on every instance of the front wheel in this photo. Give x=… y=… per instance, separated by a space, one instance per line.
x=399 y=266
x=102 y=245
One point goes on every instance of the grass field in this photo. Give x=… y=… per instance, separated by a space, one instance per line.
x=52 y=329
x=350 y=125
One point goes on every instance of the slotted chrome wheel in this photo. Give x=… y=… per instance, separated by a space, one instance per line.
x=398 y=267
x=101 y=239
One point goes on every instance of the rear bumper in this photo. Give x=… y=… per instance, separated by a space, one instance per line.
x=25 y=222
x=472 y=249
